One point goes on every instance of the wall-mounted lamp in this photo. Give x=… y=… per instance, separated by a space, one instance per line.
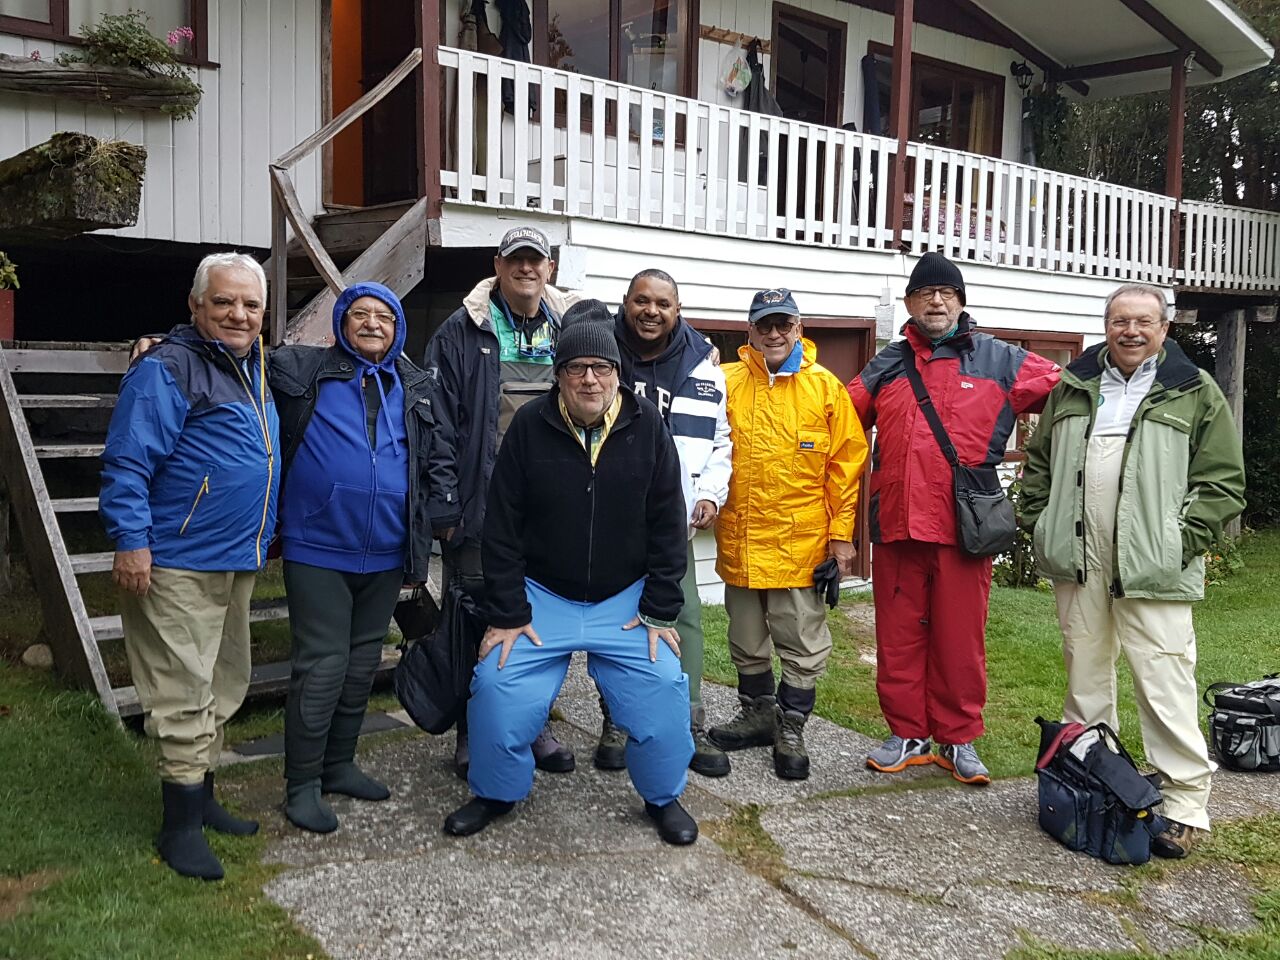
x=1023 y=74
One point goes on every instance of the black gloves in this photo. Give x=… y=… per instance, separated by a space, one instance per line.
x=826 y=581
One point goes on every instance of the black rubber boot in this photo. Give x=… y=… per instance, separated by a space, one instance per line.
x=341 y=775
x=474 y=815
x=753 y=726
x=181 y=843
x=675 y=825
x=611 y=751
x=306 y=809
x=217 y=818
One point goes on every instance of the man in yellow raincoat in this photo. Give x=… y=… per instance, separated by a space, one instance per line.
x=797 y=455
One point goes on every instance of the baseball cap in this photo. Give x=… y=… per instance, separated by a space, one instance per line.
x=518 y=237
x=768 y=302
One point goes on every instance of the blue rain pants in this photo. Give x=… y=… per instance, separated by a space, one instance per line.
x=650 y=701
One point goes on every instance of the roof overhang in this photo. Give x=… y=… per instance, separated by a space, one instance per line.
x=1138 y=37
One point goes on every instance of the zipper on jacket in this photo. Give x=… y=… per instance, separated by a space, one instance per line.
x=1082 y=574
x=261 y=414
x=204 y=488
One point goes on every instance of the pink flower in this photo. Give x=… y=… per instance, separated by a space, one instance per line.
x=178 y=34
x=35 y=55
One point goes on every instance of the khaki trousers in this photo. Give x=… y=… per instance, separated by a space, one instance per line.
x=188 y=647
x=791 y=622
x=1158 y=642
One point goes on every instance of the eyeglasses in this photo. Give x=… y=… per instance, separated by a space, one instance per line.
x=1144 y=324
x=927 y=293
x=577 y=369
x=766 y=325
x=362 y=316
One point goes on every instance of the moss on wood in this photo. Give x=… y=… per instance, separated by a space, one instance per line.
x=70 y=184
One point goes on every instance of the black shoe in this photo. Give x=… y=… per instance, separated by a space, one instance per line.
x=675 y=826
x=611 y=750
x=790 y=759
x=550 y=754
x=708 y=759
x=217 y=818
x=181 y=843
x=474 y=815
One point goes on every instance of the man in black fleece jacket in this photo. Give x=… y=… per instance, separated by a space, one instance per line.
x=584 y=541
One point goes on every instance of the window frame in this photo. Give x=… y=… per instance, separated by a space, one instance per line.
x=689 y=27
x=954 y=71
x=1035 y=341
x=58 y=29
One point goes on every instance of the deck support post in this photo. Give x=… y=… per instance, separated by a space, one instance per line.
x=1173 y=155
x=1229 y=372
x=900 y=113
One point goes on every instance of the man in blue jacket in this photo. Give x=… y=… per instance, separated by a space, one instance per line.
x=189 y=481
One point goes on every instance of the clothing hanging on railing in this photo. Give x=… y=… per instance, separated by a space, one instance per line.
x=517 y=30
x=757 y=97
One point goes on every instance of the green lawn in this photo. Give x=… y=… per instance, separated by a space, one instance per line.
x=79 y=799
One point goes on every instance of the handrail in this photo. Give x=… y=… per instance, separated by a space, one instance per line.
x=285 y=206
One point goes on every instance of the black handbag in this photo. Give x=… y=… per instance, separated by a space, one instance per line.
x=985 y=524
x=1244 y=724
x=433 y=677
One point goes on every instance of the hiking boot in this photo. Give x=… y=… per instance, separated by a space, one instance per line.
x=1175 y=842
x=752 y=727
x=217 y=818
x=898 y=753
x=962 y=760
x=550 y=754
x=708 y=759
x=790 y=759
x=611 y=751
x=181 y=843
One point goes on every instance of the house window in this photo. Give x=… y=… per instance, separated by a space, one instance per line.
x=951 y=106
x=646 y=43
x=64 y=19
x=1061 y=348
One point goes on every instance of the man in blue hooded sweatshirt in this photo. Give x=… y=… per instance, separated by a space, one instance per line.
x=355 y=423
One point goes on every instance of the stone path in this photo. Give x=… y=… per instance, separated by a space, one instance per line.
x=922 y=869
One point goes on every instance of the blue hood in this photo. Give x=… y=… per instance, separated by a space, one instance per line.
x=349 y=296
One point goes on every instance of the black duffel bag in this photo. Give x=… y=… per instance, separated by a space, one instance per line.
x=1244 y=723
x=985 y=523
x=1092 y=797
x=433 y=676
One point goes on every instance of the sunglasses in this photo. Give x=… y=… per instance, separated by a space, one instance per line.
x=766 y=325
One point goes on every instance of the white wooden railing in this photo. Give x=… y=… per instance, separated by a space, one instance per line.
x=1231 y=248
x=584 y=147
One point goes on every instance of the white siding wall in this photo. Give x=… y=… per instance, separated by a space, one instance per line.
x=206 y=177
x=755 y=18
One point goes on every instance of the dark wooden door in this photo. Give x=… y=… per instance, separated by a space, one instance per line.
x=391 y=127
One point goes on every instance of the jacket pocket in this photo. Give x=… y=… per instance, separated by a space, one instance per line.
x=200 y=495
x=390 y=526
x=341 y=522
x=809 y=458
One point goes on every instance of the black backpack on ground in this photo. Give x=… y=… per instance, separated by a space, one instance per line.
x=1092 y=797
x=1244 y=723
x=433 y=676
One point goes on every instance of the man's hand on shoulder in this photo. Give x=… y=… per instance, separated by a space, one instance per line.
x=141 y=346
x=131 y=570
x=506 y=637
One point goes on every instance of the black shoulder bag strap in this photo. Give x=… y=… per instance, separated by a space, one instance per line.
x=926 y=405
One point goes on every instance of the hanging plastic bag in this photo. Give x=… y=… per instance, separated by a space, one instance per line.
x=735 y=73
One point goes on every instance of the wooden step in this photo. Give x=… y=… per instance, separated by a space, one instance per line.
x=109 y=628
x=75 y=505
x=91 y=562
x=68 y=451
x=267 y=679
x=23 y=360
x=85 y=401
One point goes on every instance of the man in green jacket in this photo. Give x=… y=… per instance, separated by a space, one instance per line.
x=1130 y=476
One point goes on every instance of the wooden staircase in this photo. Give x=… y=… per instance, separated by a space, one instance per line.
x=56 y=401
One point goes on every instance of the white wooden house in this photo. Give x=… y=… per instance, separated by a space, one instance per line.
x=622 y=142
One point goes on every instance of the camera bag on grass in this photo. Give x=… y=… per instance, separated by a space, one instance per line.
x=1244 y=723
x=985 y=524
x=434 y=674
x=1092 y=797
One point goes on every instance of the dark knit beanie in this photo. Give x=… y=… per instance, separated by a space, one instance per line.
x=586 y=310
x=935 y=270
x=587 y=338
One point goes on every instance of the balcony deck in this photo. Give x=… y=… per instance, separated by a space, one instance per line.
x=581 y=147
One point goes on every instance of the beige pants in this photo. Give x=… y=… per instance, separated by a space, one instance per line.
x=1158 y=642
x=791 y=622
x=188 y=647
